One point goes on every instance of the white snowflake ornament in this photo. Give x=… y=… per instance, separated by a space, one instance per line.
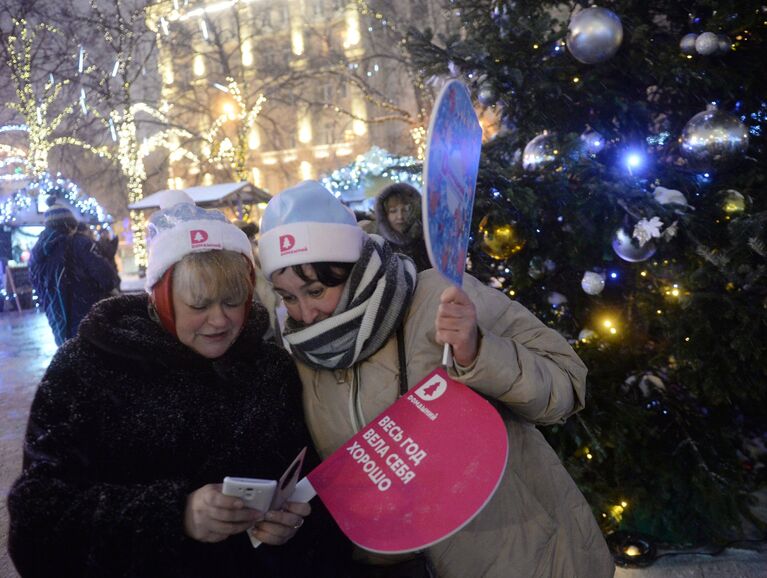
x=645 y=230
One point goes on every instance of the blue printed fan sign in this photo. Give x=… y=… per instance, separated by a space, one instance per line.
x=453 y=145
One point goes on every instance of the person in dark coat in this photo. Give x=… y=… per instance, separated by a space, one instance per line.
x=398 y=215
x=68 y=273
x=107 y=245
x=139 y=418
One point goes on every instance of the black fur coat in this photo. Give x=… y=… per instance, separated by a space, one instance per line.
x=126 y=423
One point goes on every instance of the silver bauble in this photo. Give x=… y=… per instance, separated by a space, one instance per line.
x=592 y=283
x=538 y=267
x=707 y=44
x=594 y=35
x=725 y=45
x=627 y=247
x=487 y=95
x=535 y=268
x=713 y=137
x=687 y=44
x=539 y=151
x=587 y=335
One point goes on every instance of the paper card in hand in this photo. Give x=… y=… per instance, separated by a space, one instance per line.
x=287 y=482
x=419 y=471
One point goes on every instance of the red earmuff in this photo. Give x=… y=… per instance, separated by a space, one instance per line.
x=162 y=298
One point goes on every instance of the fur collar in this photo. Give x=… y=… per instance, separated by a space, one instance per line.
x=413 y=233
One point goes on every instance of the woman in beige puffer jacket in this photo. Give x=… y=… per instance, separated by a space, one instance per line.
x=346 y=293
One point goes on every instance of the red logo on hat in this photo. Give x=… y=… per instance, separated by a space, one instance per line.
x=198 y=236
x=287 y=242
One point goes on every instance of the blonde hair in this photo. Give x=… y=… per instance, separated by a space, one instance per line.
x=214 y=276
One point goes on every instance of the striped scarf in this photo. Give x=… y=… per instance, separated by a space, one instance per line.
x=372 y=305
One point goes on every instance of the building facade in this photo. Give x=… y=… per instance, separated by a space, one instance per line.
x=277 y=92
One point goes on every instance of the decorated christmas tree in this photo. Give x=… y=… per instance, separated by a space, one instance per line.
x=621 y=197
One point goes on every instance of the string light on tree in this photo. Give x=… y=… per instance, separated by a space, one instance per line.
x=26 y=199
x=608 y=325
x=130 y=157
x=377 y=162
x=418 y=135
x=233 y=152
x=35 y=107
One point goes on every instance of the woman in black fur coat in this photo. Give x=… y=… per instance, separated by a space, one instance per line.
x=140 y=417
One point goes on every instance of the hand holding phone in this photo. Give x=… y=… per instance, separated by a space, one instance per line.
x=254 y=492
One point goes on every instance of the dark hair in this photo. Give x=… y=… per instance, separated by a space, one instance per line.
x=404 y=192
x=250 y=229
x=329 y=274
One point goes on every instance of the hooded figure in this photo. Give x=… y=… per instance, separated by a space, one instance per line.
x=398 y=214
x=68 y=272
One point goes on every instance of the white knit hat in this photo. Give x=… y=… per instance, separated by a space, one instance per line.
x=307 y=224
x=180 y=227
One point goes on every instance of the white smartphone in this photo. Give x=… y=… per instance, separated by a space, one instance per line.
x=256 y=493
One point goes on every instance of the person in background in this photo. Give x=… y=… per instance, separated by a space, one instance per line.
x=364 y=327
x=398 y=214
x=67 y=272
x=107 y=245
x=139 y=418
x=366 y=221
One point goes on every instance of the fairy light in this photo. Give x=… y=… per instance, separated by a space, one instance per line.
x=24 y=199
x=418 y=135
x=673 y=292
x=376 y=162
x=616 y=511
x=34 y=106
x=130 y=158
x=223 y=150
x=609 y=326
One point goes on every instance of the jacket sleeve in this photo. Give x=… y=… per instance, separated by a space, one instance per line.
x=63 y=516
x=521 y=362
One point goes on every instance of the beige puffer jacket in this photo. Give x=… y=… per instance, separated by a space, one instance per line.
x=537 y=524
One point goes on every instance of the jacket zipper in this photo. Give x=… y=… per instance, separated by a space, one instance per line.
x=355 y=409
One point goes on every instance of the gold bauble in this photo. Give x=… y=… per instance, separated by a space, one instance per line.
x=500 y=238
x=733 y=202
